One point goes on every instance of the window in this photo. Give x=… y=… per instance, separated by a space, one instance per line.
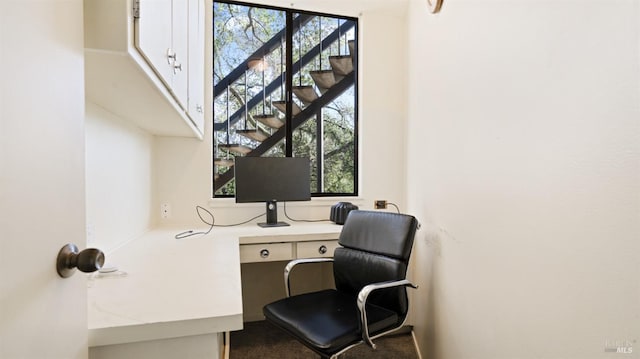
x=261 y=109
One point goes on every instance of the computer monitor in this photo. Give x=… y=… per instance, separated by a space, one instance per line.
x=272 y=179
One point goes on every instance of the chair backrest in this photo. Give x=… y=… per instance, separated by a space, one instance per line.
x=376 y=247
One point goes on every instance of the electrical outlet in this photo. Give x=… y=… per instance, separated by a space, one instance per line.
x=165 y=210
x=380 y=204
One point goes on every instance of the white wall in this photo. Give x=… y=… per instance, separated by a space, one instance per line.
x=118 y=179
x=524 y=168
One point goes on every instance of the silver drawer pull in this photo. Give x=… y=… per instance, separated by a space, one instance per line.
x=322 y=249
x=177 y=67
x=264 y=253
x=171 y=56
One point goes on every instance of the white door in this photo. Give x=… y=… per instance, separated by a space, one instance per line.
x=42 y=201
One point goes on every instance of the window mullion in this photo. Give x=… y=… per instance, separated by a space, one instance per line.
x=320 y=151
x=289 y=85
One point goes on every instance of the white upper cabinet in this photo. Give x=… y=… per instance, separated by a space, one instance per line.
x=138 y=55
x=180 y=47
x=153 y=35
x=196 y=62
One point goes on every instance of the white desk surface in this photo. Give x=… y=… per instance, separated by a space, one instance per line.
x=296 y=232
x=180 y=287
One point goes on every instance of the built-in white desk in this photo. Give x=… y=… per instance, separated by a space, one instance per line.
x=179 y=295
x=285 y=243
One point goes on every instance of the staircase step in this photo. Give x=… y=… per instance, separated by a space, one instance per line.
x=324 y=79
x=306 y=94
x=270 y=120
x=235 y=148
x=256 y=135
x=223 y=162
x=342 y=65
x=282 y=107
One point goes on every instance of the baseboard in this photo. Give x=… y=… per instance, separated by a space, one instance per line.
x=415 y=344
x=405 y=329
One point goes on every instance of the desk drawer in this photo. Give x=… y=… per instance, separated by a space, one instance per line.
x=315 y=249
x=267 y=252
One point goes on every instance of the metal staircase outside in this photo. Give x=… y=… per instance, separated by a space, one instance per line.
x=269 y=129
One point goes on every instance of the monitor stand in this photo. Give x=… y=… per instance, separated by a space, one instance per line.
x=272 y=216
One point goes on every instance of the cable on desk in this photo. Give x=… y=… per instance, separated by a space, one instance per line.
x=190 y=233
x=211 y=224
x=301 y=220
x=241 y=223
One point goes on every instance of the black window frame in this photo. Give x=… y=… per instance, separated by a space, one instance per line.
x=289 y=96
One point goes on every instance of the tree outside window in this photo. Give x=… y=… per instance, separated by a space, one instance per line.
x=261 y=109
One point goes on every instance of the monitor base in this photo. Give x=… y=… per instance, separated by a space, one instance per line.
x=276 y=224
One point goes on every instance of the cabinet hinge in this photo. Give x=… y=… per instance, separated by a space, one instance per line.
x=136 y=9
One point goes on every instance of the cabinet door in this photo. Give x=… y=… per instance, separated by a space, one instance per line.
x=196 y=63
x=180 y=44
x=153 y=36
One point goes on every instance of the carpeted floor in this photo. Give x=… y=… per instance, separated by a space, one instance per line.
x=263 y=341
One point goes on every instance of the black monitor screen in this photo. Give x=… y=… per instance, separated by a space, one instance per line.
x=272 y=179
x=261 y=179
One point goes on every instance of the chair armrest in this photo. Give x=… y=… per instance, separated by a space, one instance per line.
x=294 y=263
x=362 y=301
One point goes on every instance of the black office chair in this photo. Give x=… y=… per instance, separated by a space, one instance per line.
x=370 y=298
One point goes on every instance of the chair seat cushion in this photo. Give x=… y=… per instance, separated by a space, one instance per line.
x=327 y=321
